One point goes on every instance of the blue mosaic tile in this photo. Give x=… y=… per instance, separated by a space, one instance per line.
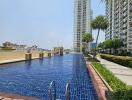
x=32 y=78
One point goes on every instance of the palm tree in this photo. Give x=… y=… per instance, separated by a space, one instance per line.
x=99 y=23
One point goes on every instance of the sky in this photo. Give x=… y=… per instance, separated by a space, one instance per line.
x=46 y=23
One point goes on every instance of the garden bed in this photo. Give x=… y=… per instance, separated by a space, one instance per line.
x=120 y=90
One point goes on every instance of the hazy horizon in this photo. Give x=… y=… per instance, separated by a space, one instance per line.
x=43 y=23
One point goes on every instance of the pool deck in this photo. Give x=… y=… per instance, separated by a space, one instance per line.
x=14 y=60
x=121 y=72
x=17 y=56
x=9 y=96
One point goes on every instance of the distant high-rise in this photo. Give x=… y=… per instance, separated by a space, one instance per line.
x=82 y=20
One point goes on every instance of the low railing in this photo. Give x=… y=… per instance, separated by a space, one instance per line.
x=67 y=92
x=52 y=87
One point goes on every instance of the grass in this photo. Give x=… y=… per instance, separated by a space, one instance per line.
x=121 y=90
x=113 y=81
x=90 y=59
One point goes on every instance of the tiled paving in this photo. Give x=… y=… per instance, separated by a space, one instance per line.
x=5 y=98
x=123 y=73
x=9 y=96
x=32 y=78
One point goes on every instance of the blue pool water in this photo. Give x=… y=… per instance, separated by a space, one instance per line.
x=33 y=78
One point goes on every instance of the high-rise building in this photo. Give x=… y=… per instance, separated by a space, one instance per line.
x=82 y=20
x=119 y=14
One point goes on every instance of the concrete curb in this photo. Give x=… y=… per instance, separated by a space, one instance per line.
x=106 y=84
x=10 y=96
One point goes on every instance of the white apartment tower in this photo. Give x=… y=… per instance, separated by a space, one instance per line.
x=119 y=14
x=82 y=20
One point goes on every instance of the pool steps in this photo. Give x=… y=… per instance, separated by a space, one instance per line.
x=53 y=86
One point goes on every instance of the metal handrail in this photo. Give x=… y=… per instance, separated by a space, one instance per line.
x=67 y=92
x=52 y=84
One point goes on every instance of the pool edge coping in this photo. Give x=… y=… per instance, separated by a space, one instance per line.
x=102 y=88
x=12 y=96
x=15 y=60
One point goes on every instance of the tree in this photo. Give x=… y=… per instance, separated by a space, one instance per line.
x=87 y=37
x=101 y=46
x=117 y=43
x=99 y=23
x=108 y=44
x=84 y=48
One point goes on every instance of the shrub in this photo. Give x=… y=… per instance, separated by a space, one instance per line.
x=90 y=59
x=122 y=60
x=113 y=81
x=121 y=91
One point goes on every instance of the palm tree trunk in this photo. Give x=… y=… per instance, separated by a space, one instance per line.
x=96 y=43
x=97 y=37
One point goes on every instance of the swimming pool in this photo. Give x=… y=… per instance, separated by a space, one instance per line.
x=32 y=78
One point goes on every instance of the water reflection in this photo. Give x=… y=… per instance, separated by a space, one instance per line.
x=76 y=70
x=41 y=61
x=28 y=64
x=78 y=77
x=59 y=62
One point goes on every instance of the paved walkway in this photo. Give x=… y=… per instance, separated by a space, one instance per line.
x=123 y=73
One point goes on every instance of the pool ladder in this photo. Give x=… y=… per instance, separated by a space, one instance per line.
x=53 y=95
x=52 y=84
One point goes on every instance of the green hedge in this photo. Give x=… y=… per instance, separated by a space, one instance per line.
x=122 y=60
x=121 y=91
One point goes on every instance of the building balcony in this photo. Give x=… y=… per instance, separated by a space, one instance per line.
x=130 y=40
x=130 y=19
x=130 y=33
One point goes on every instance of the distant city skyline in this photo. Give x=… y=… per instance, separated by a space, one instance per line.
x=41 y=22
